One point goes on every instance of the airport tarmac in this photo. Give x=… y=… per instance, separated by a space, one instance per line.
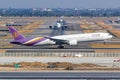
x=73 y=28
x=61 y=75
x=48 y=49
x=43 y=30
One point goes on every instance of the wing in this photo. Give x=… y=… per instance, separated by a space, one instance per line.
x=58 y=41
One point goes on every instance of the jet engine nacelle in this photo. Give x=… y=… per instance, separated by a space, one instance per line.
x=72 y=42
x=65 y=26
x=50 y=27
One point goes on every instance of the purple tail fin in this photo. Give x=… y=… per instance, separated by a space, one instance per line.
x=16 y=34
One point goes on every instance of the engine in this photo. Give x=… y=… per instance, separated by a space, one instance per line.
x=72 y=42
x=50 y=27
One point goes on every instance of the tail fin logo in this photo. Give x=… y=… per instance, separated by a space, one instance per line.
x=15 y=35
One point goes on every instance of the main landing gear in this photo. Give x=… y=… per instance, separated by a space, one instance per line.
x=105 y=42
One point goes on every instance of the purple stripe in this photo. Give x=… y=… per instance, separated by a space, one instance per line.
x=33 y=43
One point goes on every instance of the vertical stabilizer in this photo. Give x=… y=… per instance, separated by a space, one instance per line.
x=16 y=35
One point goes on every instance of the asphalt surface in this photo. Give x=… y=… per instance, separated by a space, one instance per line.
x=44 y=30
x=59 y=75
x=48 y=49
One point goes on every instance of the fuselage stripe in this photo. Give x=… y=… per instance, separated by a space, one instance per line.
x=35 y=40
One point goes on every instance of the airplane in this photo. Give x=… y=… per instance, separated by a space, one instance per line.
x=114 y=21
x=117 y=21
x=59 y=24
x=59 y=40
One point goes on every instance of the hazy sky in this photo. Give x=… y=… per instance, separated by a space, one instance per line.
x=59 y=3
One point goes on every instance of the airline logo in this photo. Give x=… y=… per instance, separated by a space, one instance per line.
x=15 y=35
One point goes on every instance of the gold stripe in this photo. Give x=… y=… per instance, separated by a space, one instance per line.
x=34 y=40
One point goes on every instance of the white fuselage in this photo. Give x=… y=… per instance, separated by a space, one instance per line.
x=78 y=37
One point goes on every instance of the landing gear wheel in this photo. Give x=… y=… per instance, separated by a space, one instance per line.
x=105 y=42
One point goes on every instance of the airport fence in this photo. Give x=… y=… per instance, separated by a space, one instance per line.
x=60 y=54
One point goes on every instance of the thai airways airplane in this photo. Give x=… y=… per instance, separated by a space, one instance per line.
x=57 y=40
